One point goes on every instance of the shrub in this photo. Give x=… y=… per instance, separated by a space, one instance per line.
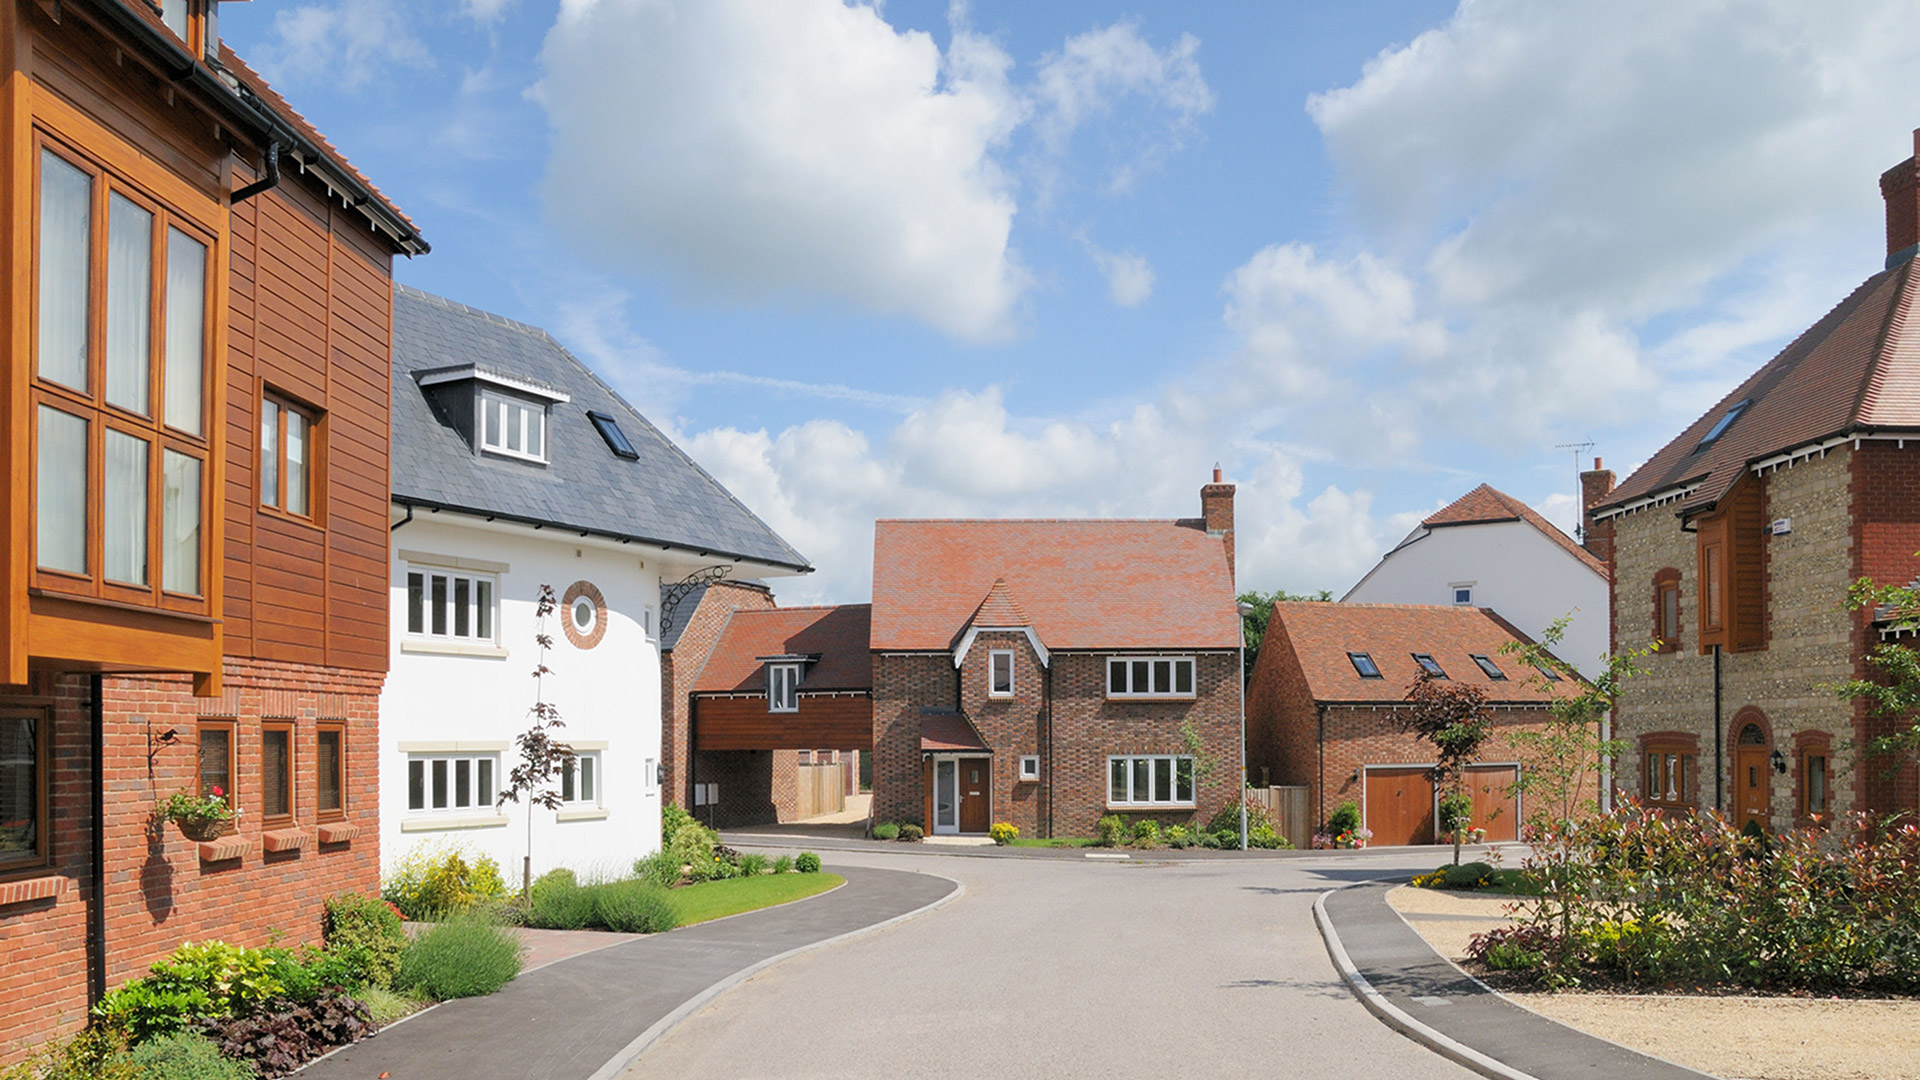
x=672 y=818
x=1263 y=835
x=386 y=1006
x=886 y=830
x=807 y=863
x=141 y=1009
x=1206 y=839
x=1227 y=839
x=1345 y=818
x=196 y=982
x=1146 y=832
x=660 y=868
x=1004 y=833
x=370 y=926
x=910 y=831
x=284 y=1034
x=783 y=865
x=1228 y=819
x=93 y=1054
x=1178 y=836
x=557 y=902
x=633 y=907
x=462 y=957
x=1467 y=875
x=693 y=844
x=1111 y=830
x=186 y=1056
x=433 y=881
x=751 y=864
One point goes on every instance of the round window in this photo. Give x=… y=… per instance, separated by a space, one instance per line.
x=583 y=614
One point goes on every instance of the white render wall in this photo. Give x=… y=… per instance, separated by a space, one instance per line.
x=607 y=695
x=1527 y=578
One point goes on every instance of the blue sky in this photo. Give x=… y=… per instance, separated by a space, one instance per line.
x=997 y=259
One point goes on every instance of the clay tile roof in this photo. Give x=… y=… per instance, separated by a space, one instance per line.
x=1000 y=608
x=945 y=729
x=1085 y=584
x=838 y=635
x=271 y=97
x=1322 y=634
x=1485 y=504
x=1856 y=370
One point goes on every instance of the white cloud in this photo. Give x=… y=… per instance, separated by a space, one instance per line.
x=485 y=11
x=1129 y=277
x=796 y=148
x=1096 y=70
x=344 y=43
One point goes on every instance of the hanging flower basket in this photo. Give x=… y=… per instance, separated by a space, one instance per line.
x=200 y=817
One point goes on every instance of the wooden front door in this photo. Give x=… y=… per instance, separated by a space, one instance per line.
x=1496 y=806
x=1399 y=806
x=976 y=794
x=1753 y=801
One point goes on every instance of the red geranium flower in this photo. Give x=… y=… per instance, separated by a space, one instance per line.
x=218 y=791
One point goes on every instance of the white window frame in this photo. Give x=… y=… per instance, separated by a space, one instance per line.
x=1133 y=670
x=783 y=688
x=1133 y=799
x=649 y=779
x=453 y=808
x=587 y=779
x=1029 y=767
x=1459 y=587
x=513 y=410
x=993 y=673
x=490 y=611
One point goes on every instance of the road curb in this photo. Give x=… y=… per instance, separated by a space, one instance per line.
x=630 y=1053
x=1394 y=1016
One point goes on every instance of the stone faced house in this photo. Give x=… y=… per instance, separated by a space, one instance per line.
x=1732 y=550
x=1321 y=701
x=1042 y=672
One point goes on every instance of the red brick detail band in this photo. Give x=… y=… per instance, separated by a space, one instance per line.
x=283 y=840
x=584 y=639
x=229 y=847
x=339 y=834
x=39 y=888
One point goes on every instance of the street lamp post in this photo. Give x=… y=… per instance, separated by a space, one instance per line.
x=1245 y=609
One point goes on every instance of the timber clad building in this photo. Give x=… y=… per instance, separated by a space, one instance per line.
x=196 y=438
x=1732 y=551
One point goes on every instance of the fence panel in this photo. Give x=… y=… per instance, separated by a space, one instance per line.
x=821 y=790
x=1287 y=806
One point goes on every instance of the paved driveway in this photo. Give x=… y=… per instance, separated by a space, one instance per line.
x=1071 y=968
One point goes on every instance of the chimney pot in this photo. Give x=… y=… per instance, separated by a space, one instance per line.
x=1216 y=467
x=1596 y=464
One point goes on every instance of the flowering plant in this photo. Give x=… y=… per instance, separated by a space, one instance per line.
x=185 y=808
x=1353 y=838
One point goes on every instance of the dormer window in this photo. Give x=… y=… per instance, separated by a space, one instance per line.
x=513 y=426
x=192 y=21
x=783 y=687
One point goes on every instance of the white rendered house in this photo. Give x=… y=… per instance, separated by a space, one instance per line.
x=515 y=467
x=1488 y=549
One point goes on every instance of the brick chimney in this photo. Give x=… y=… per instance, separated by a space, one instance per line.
x=1216 y=508
x=1597 y=536
x=1900 y=186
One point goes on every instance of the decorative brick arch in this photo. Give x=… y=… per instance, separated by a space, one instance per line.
x=1750 y=714
x=587 y=638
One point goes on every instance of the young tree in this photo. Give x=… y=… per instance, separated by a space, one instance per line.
x=1564 y=763
x=541 y=756
x=1254 y=623
x=1455 y=720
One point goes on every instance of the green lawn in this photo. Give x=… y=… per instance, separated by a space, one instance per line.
x=1058 y=841
x=718 y=899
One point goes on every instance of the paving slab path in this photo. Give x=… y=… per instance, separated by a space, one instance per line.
x=580 y=1017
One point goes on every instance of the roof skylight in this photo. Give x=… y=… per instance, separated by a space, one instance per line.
x=1487 y=665
x=1552 y=675
x=609 y=429
x=1721 y=425
x=1364 y=664
x=1429 y=665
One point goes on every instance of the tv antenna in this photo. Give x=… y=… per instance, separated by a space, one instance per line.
x=1578 y=450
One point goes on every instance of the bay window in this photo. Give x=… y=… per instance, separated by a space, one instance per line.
x=120 y=339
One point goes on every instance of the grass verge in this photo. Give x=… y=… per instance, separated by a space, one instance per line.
x=1055 y=842
x=718 y=899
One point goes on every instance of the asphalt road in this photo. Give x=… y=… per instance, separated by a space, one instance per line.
x=1067 y=968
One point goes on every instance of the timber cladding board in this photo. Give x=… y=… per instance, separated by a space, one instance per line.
x=842 y=722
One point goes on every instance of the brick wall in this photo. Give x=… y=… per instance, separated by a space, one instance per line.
x=1282 y=718
x=756 y=786
x=1886 y=519
x=903 y=684
x=680 y=668
x=159 y=891
x=1012 y=726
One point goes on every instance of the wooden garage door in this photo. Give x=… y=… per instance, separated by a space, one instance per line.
x=1399 y=805
x=1496 y=807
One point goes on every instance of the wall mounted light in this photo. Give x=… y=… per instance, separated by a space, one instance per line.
x=1779 y=762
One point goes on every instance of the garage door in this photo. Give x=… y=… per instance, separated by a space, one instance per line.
x=1496 y=806
x=1399 y=805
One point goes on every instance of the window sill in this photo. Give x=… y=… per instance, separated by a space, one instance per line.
x=582 y=814
x=339 y=833
x=231 y=847
x=283 y=840
x=1153 y=697
x=436 y=648
x=455 y=746
x=1150 y=808
x=291 y=518
x=120 y=605
x=30 y=889
x=470 y=821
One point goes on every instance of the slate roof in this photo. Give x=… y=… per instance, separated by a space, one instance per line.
x=1322 y=634
x=1485 y=504
x=1083 y=584
x=661 y=497
x=838 y=635
x=1855 y=371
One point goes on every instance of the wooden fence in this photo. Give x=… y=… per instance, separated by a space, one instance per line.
x=1287 y=806
x=822 y=790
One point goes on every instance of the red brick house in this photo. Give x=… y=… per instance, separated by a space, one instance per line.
x=1324 y=689
x=196 y=437
x=778 y=712
x=1042 y=672
x=1733 y=547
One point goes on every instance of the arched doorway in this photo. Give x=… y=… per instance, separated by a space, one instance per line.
x=1752 y=769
